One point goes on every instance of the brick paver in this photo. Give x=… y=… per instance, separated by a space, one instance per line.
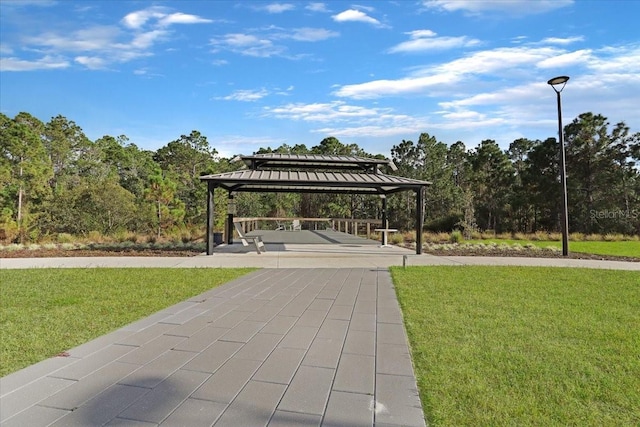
x=278 y=347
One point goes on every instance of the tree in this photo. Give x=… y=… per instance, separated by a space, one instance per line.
x=541 y=180
x=491 y=182
x=520 y=198
x=184 y=160
x=24 y=169
x=132 y=165
x=162 y=193
x=70 y=152
x=600 y=175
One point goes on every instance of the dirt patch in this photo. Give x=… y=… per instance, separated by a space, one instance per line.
x=63 y=253
x=528 y=253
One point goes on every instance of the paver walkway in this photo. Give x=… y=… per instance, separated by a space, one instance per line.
x=278 y=347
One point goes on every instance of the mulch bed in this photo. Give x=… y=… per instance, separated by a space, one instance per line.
x=527 y=253
x=63 y=253
x=60 y=253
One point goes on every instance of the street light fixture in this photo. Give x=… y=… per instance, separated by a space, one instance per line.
x=558 y=83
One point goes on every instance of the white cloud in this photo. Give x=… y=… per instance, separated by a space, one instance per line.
x=421 y=33
x=160 y=17
x=6 y=49
x=353 y=15
x=264 y=45
x=103 y=45
x=321 y=112
x=279 y=7
x=494 y=60
x=514 y=7
x=312 y=34
x=91 y=62
x=567 y=60
x=485 y=64
x=317 y=7
x=248 y=44
x=622 y=59
x=44 y=63
x=562 y=41
x=348 y=120
x=84 y=40
x=426 y=40
x=146 y=40
x=138 y=18
x=245 y=95
x=183 y=18
x=404 y=86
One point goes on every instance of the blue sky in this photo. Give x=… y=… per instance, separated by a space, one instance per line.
x=255 y=74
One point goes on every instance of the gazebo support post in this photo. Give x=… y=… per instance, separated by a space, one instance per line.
x=419 y=219
x=384 y=215
x=210 y=213
x=230 y=212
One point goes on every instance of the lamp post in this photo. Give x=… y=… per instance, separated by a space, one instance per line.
x=558 y=83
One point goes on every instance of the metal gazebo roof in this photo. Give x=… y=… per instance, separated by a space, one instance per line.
x=312 y=161
x=312 y=182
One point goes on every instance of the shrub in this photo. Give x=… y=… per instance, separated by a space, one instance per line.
x=456 y=236
x=537 y=236
x=613 y=237
x=186 y=236
x=443 y=224
x=519 y=236
x=409 y=236
x=95 y=236
x=476 y=235
x=593 y=237
x=554 y=236
x=488 y=234
x=13 y=247
x=576 y=237
x=65 y=238
x=396 y=239
x=126 y=236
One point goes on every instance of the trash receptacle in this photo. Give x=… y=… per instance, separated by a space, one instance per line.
x=217 y=238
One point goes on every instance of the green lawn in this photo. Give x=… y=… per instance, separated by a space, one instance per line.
x=46 y=311
x=621 y=248
x=524 y=346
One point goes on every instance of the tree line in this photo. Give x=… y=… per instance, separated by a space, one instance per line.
x=53 y=179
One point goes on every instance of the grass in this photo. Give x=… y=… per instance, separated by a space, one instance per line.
x=524 y=346
x=46 y=311
x=619 y=248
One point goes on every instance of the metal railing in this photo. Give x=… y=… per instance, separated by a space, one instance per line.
x=360 y=226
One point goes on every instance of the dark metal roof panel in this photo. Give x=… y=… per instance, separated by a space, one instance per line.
x=315 y=158
x=271 y=177
x=306 y=161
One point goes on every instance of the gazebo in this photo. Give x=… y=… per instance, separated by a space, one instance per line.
x=302 y=173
